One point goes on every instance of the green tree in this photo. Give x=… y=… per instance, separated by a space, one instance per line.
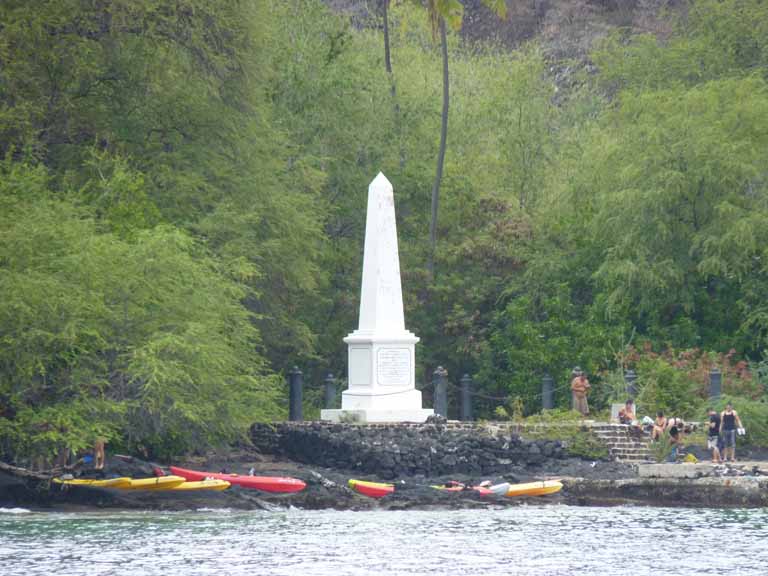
x=142 y=339
x=177 y=92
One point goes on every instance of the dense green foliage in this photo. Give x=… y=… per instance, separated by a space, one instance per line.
x=564 y=425
x=183 y=200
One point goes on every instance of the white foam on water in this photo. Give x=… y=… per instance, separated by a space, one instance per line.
x=14 y=511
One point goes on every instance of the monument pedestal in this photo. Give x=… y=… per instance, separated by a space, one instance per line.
x=381 y=380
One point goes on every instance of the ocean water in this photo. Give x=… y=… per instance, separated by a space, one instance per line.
x=525 y=540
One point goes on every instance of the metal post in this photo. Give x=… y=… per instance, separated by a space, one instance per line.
x=330 y=392
x=466 y=397
x=547 y=392
x=715 y=383
x=440 y=381
x=295 y=384
x=630 y=378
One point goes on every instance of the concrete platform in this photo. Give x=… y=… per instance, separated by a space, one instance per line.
x=728 y=492
x=700 y=469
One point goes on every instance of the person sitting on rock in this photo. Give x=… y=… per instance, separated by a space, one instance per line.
x=627 y=413
x=659 y=426
x=676 y=421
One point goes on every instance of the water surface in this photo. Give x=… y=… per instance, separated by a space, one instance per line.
x=527 y=540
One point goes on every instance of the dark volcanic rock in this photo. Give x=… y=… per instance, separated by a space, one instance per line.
x=402 y=450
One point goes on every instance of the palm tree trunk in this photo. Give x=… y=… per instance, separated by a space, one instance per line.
x=392 y=87
x=387 y=58
x=440 y=153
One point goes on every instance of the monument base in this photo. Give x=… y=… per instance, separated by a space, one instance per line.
x=356 y=398
x=370 y=416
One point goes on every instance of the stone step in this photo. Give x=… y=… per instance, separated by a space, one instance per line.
x=623 y=437
x=619 y=435
x=627 y=447
x=624 y=444
x=624 y=441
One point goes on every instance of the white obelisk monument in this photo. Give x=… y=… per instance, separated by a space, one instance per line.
x=382 y=379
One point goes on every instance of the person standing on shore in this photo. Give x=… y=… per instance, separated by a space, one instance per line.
x=730 y=422
x=98 y=453
x=713 y=438
x=659 y=426
x=674 y=444
x=580 y=388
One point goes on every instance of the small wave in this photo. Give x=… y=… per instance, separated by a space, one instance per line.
x=14 y=511
x=215 y=510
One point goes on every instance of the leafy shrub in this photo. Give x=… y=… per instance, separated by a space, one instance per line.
x=565 y=425
x=663 y=387
x=660 y=449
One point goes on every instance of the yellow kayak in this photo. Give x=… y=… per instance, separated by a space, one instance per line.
x=210 y=484
x=157 y=483
x=92 y=483
x=541 y=488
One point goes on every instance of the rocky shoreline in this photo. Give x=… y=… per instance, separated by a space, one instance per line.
x=601 y=484
x=413 y=457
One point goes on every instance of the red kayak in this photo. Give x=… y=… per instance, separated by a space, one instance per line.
x=264 y=483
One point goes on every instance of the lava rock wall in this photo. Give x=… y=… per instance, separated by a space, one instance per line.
x=401 y=450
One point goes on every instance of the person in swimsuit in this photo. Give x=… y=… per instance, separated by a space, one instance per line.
x=580 y=388
x=627 y=414
x=659 y=425
x=729 y=422
x=98 y=453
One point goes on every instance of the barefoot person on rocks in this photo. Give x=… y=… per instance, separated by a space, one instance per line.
x=713 y=437
x=580 y=388
x=729 y=422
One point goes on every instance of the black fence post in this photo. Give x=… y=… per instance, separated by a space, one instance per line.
x=547 y=392
x=715 y=383
x=630 y=378
x=329 y=392
x=466 y=398
x=295 y=385
x=440 y=382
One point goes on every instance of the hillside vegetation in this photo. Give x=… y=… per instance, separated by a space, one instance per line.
x=182 y=204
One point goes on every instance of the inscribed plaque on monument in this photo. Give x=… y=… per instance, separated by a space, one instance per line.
x=393 y=366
